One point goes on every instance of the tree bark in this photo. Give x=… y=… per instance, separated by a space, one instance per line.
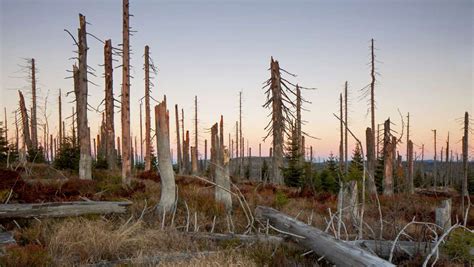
x=85 y=161
x=178 y=141
x=370 y=162
x=336 y=251
x=165 y=167
x=34 y=122
x=26 y=126
x=147 y=111
x=221 y=169
x=411 y=188
x=109 y=142
x=278 y=123
x=125 y=112
x=388 y=160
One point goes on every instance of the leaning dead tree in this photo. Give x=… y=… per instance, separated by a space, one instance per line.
x=25 y=123
x=220 y=167
x=168 y=185
x=81 y=92
x=125 y=99
x=282 y=114
x=110 y=152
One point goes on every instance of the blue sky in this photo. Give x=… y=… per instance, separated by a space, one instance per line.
x=213 y=49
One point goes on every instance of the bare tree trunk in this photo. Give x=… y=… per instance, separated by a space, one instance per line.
x=465 y=162
x=125 y=114
x=17 y=138
x=220 y=159
x=51 y=148
x=205 y=154
x=341 y=138
x=178 y=141
x=370 y=162
x=109 y=142
x=411 y=188
x=60 y=120
x=119 y=151
x=388 y=160
x=196 y=143
x=187 y=168
x=141 y=134
x=435 y=169
x=346 y=119
x=372 y=109
x=278 y=123
x=85 y=161
x=74 y=117
x=25 y=122
x=241 y=161
x=168 y=185
x=6 y=126
x=299 y=136
x=194 y=163
x=147 y=111
x=237 y=141
x=34 y=122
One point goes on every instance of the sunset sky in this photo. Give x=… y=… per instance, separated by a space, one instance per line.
x=214 y=49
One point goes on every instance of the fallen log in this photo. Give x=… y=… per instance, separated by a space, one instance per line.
x=6 y=238
x=382 y=248
x=335 y=251
x=269 y=239
x=61 y=209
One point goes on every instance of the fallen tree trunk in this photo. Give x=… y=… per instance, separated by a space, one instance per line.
x=383 y=247
x=269 y=239
x=61 y=209
x=6 y=238
x=335 y=251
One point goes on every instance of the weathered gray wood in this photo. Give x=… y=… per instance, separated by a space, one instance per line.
x=6 y=238
x=443 y=214
x=61 y=209
x=335 y=251
x=383 y=247
x=270 y=239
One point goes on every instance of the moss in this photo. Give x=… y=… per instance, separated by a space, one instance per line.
x=459 y=245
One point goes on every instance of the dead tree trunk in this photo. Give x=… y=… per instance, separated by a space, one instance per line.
x=110 y=152
x=346 y=119
x=299 y=135
x=168 y=185
x=241 y=160
x=85 y=161
x=119 y=151
x=465 y=162
x=25 y=123
x=194 y=162
x=336 y=251
x=370 y=162
x=372 y=109
x=141 y=133
x=205 y=154
x=443 y=214
x=125 y=101
x=186 y=154
x=60 y=122
x=178 y=141
x=51 y=151
x=196 y=143
x=411 y=188
x=341 y=137
x=147 y=111
x=34 y=122
x=17 y=136
x=219 y=158
x=388 y=160
x=277 y=122
x=435 y=169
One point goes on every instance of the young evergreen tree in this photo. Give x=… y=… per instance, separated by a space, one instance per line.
x=329 y=176
x=356 y=167
x=293 y=173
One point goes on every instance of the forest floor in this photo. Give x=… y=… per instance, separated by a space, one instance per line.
x=140 y=233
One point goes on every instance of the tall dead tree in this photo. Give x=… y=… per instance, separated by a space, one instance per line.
x=220 y=163
x=196 y=143
x=370 y=161
x=241 y=160
x=141 y=133
x=410 y=188
x=465 y=162
x=110 y=152
x=341 y=138
x=147 y=111
x=6 y=126
x=168 y=184
x=205 y=154
x=372 y=152
x=388 y=159
x=17 y=136
x=178 y=140
x=282 y=107
x=435 y=169
x=346 y=140
x=187 y=167
x=60 y=119
x=85 y=161
x=408 y=134
x=25 y=124
x=34 y=121
x=125 y=100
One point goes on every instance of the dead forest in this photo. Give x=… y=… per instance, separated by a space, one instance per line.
x=74 y=197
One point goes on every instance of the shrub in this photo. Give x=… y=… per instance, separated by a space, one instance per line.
x=459 y=246
x=67 y=157
x=280 y=199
